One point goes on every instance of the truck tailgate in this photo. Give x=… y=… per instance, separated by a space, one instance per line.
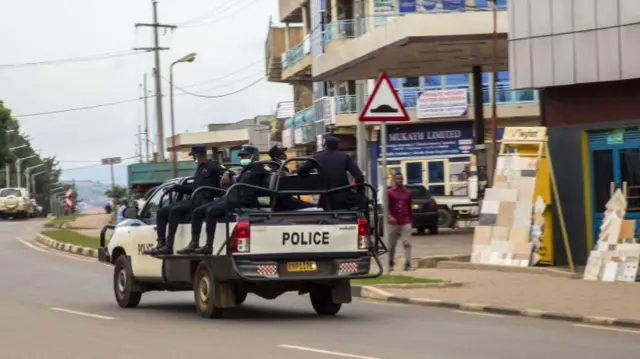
x=293 y=239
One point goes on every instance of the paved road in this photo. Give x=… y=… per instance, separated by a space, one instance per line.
x=53 y=306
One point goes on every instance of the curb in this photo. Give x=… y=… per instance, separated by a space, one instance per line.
x=378 y=294
x=420 y=285
x=433 y=261
x=508 y=269
x=65 y=247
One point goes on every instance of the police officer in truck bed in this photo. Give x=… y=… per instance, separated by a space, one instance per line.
x=208 y=173
x=334 y=166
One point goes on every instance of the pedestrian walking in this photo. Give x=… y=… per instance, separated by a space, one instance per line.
x=400 y=220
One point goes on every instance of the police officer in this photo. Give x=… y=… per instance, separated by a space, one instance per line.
x=286 y=202
x=208 y=173
x=253 y=174
x=334 y=166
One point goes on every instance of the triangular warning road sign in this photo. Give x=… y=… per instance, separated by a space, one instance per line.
x=384 y=104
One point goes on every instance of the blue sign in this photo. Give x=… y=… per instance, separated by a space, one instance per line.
x=408 y=6
x=429 y=140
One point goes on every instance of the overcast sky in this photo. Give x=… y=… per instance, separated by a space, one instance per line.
x=36 y=30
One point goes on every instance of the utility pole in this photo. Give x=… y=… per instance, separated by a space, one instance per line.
x=156 y=72
x=110 y=162
x=139 y=144
x=361 y=129
x=145 y=96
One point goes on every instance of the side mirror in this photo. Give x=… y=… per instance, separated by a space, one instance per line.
x=130 y=213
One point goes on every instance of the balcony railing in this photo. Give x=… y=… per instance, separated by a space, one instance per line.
x=297 y=53
x=346 y=29
x=346 y=104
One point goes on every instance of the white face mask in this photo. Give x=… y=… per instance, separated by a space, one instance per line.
x=245 y=162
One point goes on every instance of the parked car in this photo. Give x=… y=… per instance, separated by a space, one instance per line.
x=424 y=206
x=15 y=203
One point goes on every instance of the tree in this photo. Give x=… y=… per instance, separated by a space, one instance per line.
x=118 y=194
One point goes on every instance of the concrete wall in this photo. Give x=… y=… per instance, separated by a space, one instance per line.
x=302 y=95
x=563 y=42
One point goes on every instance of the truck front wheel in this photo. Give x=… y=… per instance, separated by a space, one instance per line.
x=322 y=301
x=203 y=290
x=124 y=286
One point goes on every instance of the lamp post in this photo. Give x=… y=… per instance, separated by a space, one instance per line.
x=7 y=167
x=18 y=164
x=33 y=179
x=27 y=178
x=187 y=58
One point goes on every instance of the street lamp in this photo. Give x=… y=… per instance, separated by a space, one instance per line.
x=18 y=163
x=187 y=58
x=33 y=179
x=7 y=168
x=26 y=176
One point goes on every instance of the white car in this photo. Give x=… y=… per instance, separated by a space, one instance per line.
x=257 y=251
x=16 y=203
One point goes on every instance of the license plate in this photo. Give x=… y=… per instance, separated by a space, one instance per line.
x=301 y=267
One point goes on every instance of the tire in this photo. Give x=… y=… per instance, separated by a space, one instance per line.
x=203 y=286
x=433 y=230
x=124 y=284
x=421 y=230
x=241 y=295
x=323 y=303
x=445 y=218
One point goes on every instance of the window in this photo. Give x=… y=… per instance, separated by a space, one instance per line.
x=11 y=192
x=156 y=201
x=457 y=80
x=432 y=81
x=487 y=4
x=409 y=82
x=454 y=5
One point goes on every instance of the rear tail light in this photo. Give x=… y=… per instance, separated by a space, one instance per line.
x=242 y=238
x=364 y=238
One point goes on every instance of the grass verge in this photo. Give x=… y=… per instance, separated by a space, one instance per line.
x=74 y=238
x=395 y=279
x=58 y=221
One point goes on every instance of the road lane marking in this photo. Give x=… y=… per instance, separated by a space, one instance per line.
x=91 y=315
x=601 y=327
x=479 y=313
x=327 y=352
x=48 y=250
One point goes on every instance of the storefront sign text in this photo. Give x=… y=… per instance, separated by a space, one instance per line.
x=443 y=103
x=430 y=140
x=524 y=134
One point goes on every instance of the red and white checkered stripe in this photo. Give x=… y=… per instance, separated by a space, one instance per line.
x=267 y=270
x=348 y=267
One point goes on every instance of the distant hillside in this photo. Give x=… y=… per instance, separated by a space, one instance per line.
x=92 y=195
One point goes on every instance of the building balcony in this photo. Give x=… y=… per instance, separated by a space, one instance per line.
x=296 y=63
x=291 y=10
x=275 y=46
x=431 y=42
x=219 y=138
x=511 y=104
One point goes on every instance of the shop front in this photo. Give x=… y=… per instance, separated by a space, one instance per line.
x=433 y=154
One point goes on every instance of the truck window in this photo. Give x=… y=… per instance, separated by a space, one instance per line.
x=156 y=201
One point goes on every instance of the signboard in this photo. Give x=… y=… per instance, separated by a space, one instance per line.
x=443 y=103
x=111 y=161
x=384 y=104
x=408 y=6
x=430 y=140
x=384 y=7
x=298 y=136
x=287 y=138
x=616 y=137
x=319 y=142
x=519 y=134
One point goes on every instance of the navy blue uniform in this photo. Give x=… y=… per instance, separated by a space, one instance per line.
x=207 y=174
x=334 y=166
x=254 y=174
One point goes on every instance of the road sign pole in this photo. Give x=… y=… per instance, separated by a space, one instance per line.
x=385 y=182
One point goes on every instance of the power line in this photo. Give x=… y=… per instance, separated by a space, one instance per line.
x=226 y=16
x=92 y=166
x=203 y=16
x=225 y=76
x=223 y=95
x=105 y=56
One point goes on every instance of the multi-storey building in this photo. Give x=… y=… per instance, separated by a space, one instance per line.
x=425 y=46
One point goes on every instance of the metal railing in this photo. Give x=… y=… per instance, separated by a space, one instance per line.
x=297 y=53
x=346 y=104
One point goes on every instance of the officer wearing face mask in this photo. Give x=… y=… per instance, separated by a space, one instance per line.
x=208 y=173
x=253 y=174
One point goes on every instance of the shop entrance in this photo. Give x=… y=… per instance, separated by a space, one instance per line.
x=615 y=163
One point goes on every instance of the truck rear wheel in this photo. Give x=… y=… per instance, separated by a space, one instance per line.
x=322 y=301
x=203 y=290
x=124 y=286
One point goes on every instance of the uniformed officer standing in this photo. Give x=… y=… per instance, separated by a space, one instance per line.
x=334 y=166
x=253 y=174
x=208 y=174
x=286 y=202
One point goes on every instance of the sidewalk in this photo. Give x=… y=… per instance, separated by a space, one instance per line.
x=531 y=291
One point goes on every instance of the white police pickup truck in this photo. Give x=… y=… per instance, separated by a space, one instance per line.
x=258 y=251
